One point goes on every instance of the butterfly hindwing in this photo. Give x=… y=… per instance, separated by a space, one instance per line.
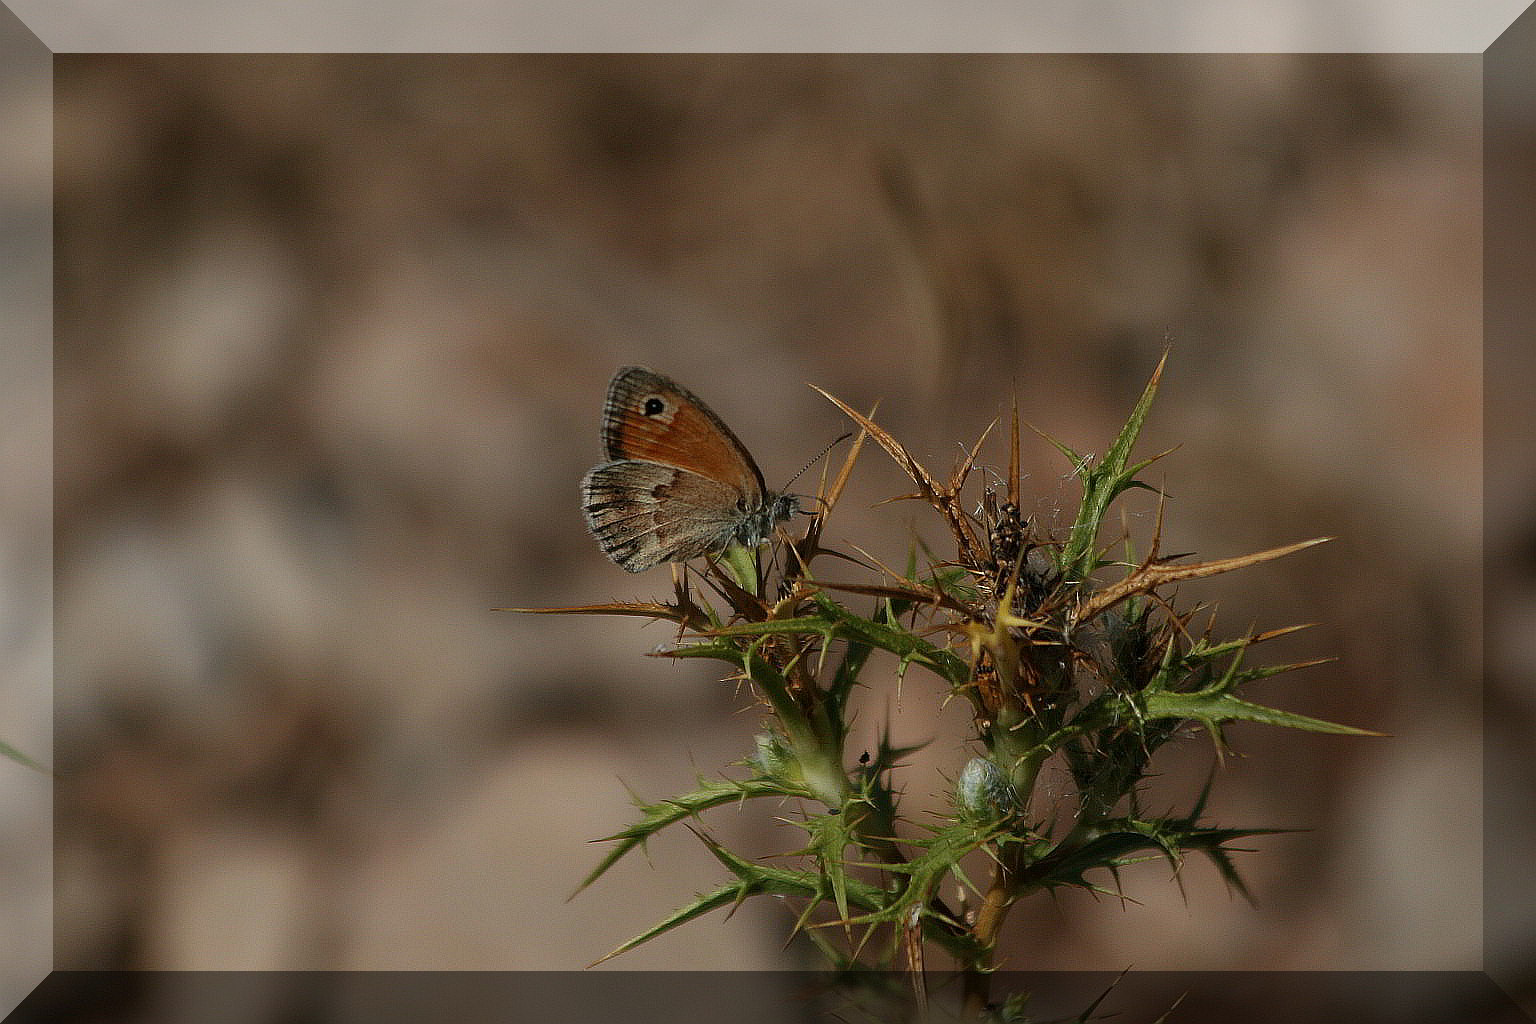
x=644 y=513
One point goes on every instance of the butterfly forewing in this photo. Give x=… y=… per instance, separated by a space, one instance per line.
x=652 y=418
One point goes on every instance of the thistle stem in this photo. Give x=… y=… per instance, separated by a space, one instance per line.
x=977 y=977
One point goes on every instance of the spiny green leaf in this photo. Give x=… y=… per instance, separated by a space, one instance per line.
x=831 y=835
x=941 y=855
x=657 y=816
x=1073 y=458
x=756 y=879
x=1215 y=708
x=1114 y=842
x=1229 y=874
x=784 y=882
x=1114 y=763
x=838 y=622
x=910 y=649
x=719 y=650
x=838 y=961
x=802 y=625
x=1119 y=454
x=721 y=897
x=1102 y=484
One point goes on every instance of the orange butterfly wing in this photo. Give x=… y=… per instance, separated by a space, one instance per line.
x=652 y=418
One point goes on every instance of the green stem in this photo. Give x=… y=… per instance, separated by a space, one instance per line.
x=824 y=775
x=1015 y=743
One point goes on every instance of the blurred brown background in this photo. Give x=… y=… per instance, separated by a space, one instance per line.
x=332 y=339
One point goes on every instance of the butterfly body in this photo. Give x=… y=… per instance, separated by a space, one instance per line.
x=678 y=483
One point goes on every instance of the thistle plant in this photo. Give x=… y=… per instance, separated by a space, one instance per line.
x=1064 y=655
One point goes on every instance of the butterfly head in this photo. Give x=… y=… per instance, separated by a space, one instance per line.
x=756 y=525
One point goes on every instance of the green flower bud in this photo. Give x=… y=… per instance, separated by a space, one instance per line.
x=982 y=793
x=772 y=758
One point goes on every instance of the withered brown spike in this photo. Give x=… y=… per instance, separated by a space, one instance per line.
x=1157 y=530
x=883 y=438
x=1281 y=631
x=1176 y=623
x=887 y=570
x=1145 y=579
x=921 y=597
x=646 y=609
x=811 y=539
x=1013 y=454
x=941 y=499
x=805 y=550
x=844 y=556
x=901 y=497
x=748 y=606
x=964 y=470
x=959 y=522
x=847 y=469
x=1161 y=455
x=714 y=585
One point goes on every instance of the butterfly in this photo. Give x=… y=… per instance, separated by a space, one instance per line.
x=678 y=484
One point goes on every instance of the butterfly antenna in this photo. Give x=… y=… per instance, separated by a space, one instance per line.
x=817 y=459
